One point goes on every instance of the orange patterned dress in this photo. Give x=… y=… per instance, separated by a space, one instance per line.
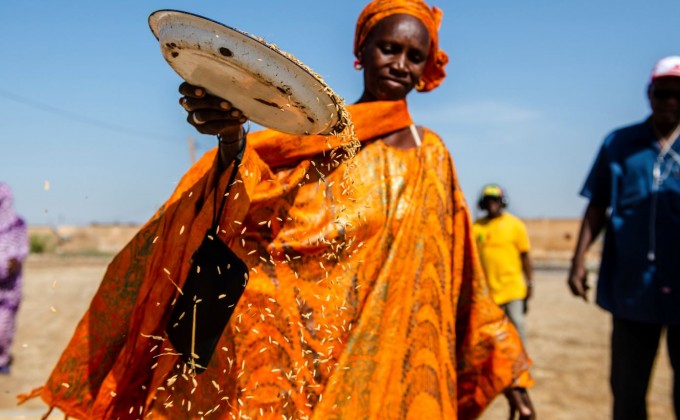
x=365 y=298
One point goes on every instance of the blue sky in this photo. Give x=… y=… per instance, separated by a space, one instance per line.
x=88 y=103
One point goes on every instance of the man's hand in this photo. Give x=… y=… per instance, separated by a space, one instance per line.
x=521 y=407
x=592 y=224
x=578 y=280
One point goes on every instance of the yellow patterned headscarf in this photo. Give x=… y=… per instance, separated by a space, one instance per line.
x=378 y=10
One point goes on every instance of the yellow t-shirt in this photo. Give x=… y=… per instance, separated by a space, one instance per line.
x=500 y=242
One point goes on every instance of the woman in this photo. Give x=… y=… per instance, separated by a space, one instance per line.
x=364 y=298
x=13 y=251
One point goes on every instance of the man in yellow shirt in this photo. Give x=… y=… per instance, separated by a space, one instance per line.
x=503 y=246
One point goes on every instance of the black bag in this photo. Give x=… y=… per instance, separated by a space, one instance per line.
x=213 y=287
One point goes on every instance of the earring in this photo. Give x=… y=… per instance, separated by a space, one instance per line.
x=357 y=65
x=420 y=85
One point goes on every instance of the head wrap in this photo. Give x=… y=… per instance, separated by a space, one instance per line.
x=378 y=10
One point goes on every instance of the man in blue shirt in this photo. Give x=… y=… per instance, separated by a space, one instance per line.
x=634 y=191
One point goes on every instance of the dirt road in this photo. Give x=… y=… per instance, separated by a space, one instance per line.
x=567 y=339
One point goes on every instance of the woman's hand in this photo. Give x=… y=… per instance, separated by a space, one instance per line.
x=212 y=115
x=521 y=407
x=14 y=267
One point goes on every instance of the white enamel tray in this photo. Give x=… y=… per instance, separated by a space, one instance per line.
x=271 y=88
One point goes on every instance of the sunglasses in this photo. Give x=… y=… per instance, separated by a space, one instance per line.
x=664 y=95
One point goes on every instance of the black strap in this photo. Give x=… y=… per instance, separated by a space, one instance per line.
x=217 y=215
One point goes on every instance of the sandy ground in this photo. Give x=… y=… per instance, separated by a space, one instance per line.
x=567 y=339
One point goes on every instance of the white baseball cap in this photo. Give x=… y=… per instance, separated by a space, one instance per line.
x=667 y=66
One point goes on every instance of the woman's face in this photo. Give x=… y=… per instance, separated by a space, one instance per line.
x=394 y=57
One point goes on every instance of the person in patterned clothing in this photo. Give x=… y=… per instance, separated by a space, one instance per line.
x=364 y=298
x=13 y=251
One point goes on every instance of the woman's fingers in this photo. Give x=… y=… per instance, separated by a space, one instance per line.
x=214 y=127
x=203 y=116
x=520 y=404
x=208 y=113
x=207 y=102
x=195 y=97
x=191 y=91
x=208 y=107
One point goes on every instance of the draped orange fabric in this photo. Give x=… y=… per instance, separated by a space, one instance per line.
x=378 y=10
x=365 y=298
